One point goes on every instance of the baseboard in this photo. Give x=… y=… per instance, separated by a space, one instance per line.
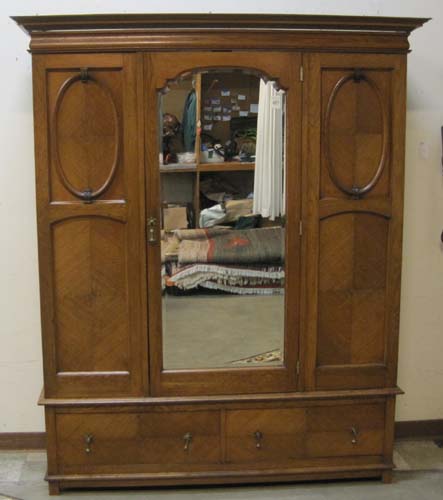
x=419 y=429
x=403 y=430
x=22 y=440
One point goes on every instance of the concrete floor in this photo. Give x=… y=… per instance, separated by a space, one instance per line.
x=212 y=331
x=419 y=476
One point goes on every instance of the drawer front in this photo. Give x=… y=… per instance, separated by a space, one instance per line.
x=345 y=430
x=183 y=437
x=282 y=435
x=96 y=439
x=101 y=439
x=156 y=440
x=261 y=435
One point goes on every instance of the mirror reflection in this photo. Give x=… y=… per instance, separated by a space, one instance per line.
x=222 y=164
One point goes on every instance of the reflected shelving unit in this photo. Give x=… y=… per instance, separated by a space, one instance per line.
x=209 y=87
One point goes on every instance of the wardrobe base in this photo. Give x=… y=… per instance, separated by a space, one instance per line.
x=219 y=442
x=58 y=483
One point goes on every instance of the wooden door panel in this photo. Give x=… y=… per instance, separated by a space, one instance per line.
x=282 y=67
x=352 y=277
x=86 y=140
x=353 y=251
x=90 y=206
x=353 y=209
x=91 y=296
x=351 y=328
x=355 y=130
x=371 y=233
x=86 y=127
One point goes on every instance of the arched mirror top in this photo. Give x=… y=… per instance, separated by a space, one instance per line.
x=190 y=74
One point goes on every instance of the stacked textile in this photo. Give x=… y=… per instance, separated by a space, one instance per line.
x=247 y=262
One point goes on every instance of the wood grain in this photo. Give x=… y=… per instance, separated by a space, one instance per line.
x=225 y=39
x=135 y=440
x=90 y=252
x=120 y=439
x=351 y=238
x=328 y=412
x=281 y=435
x=200 y=21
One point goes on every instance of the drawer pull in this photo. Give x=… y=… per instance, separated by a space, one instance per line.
x=187 y=438
x=258 y=438
x=354 y=433
x=88 y=440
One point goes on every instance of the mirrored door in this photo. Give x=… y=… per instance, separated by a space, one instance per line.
x=222 y=229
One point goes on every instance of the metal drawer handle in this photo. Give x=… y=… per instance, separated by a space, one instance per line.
x=354 y=433
x=187 y=438
x=258 y=439
x=89 y=438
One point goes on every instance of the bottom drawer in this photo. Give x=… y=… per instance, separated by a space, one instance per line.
x=265 y=435
x=291 y=435
x=101 y=439
x=346 y=430
x=294 y=434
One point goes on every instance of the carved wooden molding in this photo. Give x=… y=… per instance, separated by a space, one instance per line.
x=334 y=209
x=259 y=73
x=87 y=194
x=356 y=191
x=35 y=24
x=68 y=218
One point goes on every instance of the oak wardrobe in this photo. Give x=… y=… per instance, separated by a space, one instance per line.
x=219 y=203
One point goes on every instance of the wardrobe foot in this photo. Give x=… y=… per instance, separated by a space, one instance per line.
x=54 y=488
x=387 y=476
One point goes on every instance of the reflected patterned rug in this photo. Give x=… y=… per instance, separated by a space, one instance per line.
x=264 y=357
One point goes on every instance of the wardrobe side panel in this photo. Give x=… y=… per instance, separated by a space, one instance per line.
x=90 y=223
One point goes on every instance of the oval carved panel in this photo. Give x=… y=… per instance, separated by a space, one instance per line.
x=85 y=136
x=356 y=135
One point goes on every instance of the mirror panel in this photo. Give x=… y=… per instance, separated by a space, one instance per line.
x=222 y=174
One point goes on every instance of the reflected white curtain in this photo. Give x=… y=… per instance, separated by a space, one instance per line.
x=269 y=178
